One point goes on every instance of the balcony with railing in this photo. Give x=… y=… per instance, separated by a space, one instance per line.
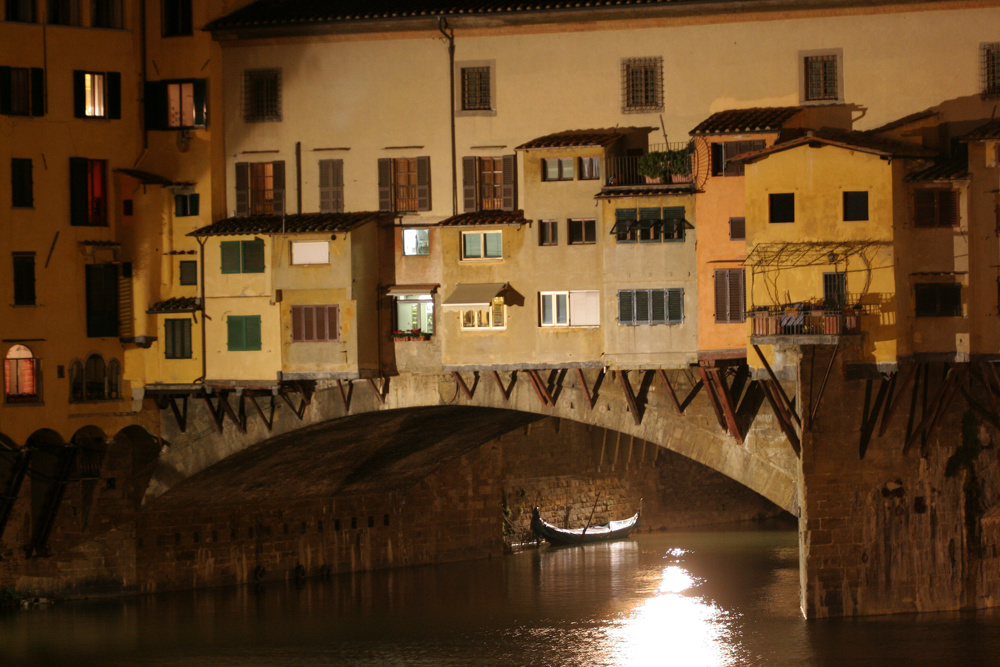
x=806 y=323
x=662 y=164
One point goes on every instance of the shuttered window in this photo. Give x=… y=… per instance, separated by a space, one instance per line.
x=22 y=91
x=315 y=324
x=625 y=225
x=243 y=333
x=24 y=279
x=260 y=188
x=97 y=94
x=176 y=104
x=938 y=299
x=88 y=192
x=404 y=184
x=730 y=295
x=723 y=153
x=331 y=186
x=489 y=183
x=651 y=306
x=188 y=272
x=177 y=338
x=102 y=300
x=935 y=208
x=737 y=229
x=242 y=256
x=21 y=185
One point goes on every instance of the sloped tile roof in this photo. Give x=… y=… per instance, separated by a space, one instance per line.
x=865 y=142
x=904 y=121
x=301 y=223
x=646 y=190
x=743 y=121
x=571 y=138
x=941 y=170
x=988 y=132
x=477 y=218
x=184 y=304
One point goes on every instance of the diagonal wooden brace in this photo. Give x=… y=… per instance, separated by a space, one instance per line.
x=630 y=397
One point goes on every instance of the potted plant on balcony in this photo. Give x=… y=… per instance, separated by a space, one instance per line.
x=401 y=335
x=656 y=166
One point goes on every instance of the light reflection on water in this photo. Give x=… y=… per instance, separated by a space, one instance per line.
x=691 y=599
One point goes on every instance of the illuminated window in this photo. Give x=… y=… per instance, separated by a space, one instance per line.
x=88 y=192
x=482 y=245
x=416 y=242
x=20 y=370
x=404 y=184
x=494 y=316
x=97 y=94
x=260 y=188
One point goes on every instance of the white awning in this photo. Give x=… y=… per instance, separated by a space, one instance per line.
x=411 y=290
x=474 y=294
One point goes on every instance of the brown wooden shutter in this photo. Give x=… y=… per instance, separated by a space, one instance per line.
x=737 y=295
x=297 y=316
x=278 y=171
x=385 y=184
x=242 y=188
x=509 y=182
x=923 y=208
x=333 y=322
x=114 y=94
x=79 y=94
x=326 y=186
x=469 y=189
x=721 y=296
x=337 y=185
x=424 y=183
x=948 y=208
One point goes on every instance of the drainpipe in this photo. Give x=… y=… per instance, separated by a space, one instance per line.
x=143 y=74
x=204 y=307
x=298 y=176
x=450 y=36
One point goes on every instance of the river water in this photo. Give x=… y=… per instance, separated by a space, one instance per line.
x=695 y=598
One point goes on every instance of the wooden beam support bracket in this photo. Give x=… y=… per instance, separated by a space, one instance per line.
x=227 y=410
x=713 y=397
x=670 y=390
x=214 y=412
x=931 y=412
x=380 y=394
x=726 y=401
x=895 y=396
x=506 y=391
x=871 y=412
x=783 y=421
x=630 y=397
x=591 y=400
x=180 y=416
x=777 y=385
x=822 y=386
x=540 y=388
x=464 y=387
x=345 y=396
x=268 y=421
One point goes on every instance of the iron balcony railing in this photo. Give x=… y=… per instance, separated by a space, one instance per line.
x=625 y=170
x=804 y=322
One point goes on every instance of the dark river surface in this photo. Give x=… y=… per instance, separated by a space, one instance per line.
x=693 y=598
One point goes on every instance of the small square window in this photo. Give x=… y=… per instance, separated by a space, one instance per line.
x=582 y=232
x=557 y=169
x=821 y=76
x=476 y=89
x=186 y=205
x=482 y=245
x=590 y=168
x=855 y=206
x=737 y=229
x=782 y=207
x=188 y=272
x=416 y=242
x=990 y=72
x=548 y=232
x=642 y=84
x=261 y=95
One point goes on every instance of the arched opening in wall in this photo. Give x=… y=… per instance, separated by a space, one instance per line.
x=76 y=382
x=52 y=463
x=133 y=455
x=114 y=382
x=22 y=376
x=13 y=467
x=91 y=445
x=95 y=380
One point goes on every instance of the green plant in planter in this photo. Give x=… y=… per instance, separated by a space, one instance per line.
x=661 y=164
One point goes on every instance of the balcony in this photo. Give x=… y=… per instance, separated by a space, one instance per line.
x=662 y=164
x=795 y=322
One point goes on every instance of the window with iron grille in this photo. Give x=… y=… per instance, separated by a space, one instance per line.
x=88 y=192
x=21 y=186
x=331 y=186
x=724 y=151
x=261 y=95
x=935 y=208
x=548 y=232
x=821 y=77
x=404 y=184
x=737 y=229
x=642 y=84
x=990 y=54
x=22 y=91
x=938 y=299
x=24 y=279
x=476 y=89
x=781 y=207
x=176 y=18
x=260 y=188
x=177 y=338
x=21 y=10
x=730 y=295
x=650 y=306
x=315 y=324
x=106 y=13
x=64 y=12
x=835 y=290
x=582 y=232
x=855 y=206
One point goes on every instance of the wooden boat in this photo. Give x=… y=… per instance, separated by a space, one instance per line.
x=614 y=530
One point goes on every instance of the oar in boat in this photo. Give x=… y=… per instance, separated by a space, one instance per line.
x=591 y=516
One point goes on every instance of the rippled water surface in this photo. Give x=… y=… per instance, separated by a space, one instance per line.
x=704 y=598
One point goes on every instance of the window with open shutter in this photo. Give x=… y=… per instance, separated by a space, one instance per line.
x=423 y=183
x=935 y=208
x=730 y=295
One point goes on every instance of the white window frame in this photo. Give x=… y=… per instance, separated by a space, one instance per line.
x=482 y=257
x=424 y=303
x=412 y=246
x=180 y=104
x=583 y=308
x=476 y=319
x=95 y=93
x=302 y=253
x=552 y=317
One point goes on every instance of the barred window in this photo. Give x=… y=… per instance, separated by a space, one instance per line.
x=991 y=70
x=261 y=95
x=476 y=89
x=642 y=85
x=822 y=78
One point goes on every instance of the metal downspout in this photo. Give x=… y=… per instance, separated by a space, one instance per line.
x=450 y=36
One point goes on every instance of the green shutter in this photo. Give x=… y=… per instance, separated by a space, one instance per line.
x=253 y=256
x=252 y=324
x=235 y=333
x=675 y=306
x=230 y=256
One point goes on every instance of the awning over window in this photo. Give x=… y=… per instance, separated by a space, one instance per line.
x=411 y=290
x=474 y=294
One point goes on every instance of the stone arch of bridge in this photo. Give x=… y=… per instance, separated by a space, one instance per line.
x=763 y=462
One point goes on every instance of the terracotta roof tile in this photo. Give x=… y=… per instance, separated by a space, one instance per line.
x=183 y=304
x=849 y=139
x=301 y=223
x=904 y=121
x=646 y=190
x=743 y=121
x=477 y=218
x=988 y=132
x=941 y=170
x=571 y=138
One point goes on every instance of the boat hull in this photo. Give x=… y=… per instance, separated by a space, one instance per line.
x=614 y=530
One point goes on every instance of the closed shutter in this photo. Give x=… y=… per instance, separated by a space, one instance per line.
x=78 y=191
x=37 y=91
x=333 y=322
x=469 y=190
x=924 y=214
x=948 y=207
x=79 y=94
x=114 y=80
x=242 y=188
x=235 y=333
x=737 y=295
x=102 y=300
x=337 y=186
x=722 y=295
x=509 y=182
x=253 y=256
x=326 y=186
x=626 y=310
x=385 y=184
x=642 y=306
x=657 y=306
x=423 y=183
x=5 y=90
x=675 y=306
x=737 y=229
x=297 y=323
x=24 y=280
x=309 y=323
x=200 y=102
x=156 y=105
x=585 y=308
x=253 y=332
x=278 y=175
x=231 y=257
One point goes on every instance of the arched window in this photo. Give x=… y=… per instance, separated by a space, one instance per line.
x=94 y=378
x=114 y=383
x=76 y=382
x=20 y=372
